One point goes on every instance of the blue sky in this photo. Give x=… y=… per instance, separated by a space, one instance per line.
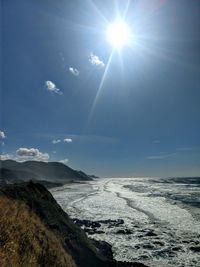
x=144 y=119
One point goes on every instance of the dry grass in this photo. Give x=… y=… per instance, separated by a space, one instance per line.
x=25 y=241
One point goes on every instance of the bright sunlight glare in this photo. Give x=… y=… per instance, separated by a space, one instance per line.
x=118 y=34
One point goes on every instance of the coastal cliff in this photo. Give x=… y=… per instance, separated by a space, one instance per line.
x=35 y=231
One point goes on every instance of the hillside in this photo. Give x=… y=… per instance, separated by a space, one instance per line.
x=35 y=231
x=54 y=172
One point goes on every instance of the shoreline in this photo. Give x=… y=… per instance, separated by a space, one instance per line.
x=101 y=201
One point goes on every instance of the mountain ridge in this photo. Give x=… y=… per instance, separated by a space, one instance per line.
x=52 y=172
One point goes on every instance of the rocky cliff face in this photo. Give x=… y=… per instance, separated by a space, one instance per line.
x=35 y=231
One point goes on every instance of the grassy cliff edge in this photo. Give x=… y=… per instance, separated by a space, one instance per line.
x=35 y=231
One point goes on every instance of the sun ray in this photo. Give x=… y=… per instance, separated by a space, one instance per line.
x=100 y=87
x=119 y=35
x=98 y=11
x=161 y=54
x=126 y=9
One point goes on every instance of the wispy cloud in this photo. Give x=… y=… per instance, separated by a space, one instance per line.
x=186 y=149
x=161 y=156
x=157 y=157
x=74 y=71
x=67 y=140
x=2 y=135
x=95 y=60
x=178 y=152
x=51 y=87
x=57 y=141
x=31 y=153
x=64 y=161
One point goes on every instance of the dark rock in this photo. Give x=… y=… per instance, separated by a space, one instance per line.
x=178 y=248
x=93 y=231
x=186 y=241
x=148 y=246
x=112 y=223
x=97 y=224
x=151 y=233
x=87 y=223
x=124 y=232
x=140 y=236
x=137 y=247
x=100 y=232
x=104 y=248
x=195 y=249
x=142 y=230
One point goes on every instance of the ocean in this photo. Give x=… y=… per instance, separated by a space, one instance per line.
x=160 y=217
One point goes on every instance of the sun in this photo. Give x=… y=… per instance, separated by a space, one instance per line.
x=118 y=34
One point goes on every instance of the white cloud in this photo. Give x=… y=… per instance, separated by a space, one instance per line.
x=5 y=156
x=64 y=161
x=51 y=87
x=95 y=60
x=56 y=141
x=67 y=140
x=74 y=71
x=2 y=135
x=27 y=152
x=32 y=153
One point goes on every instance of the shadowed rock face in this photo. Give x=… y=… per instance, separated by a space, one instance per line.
x=35 y=231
